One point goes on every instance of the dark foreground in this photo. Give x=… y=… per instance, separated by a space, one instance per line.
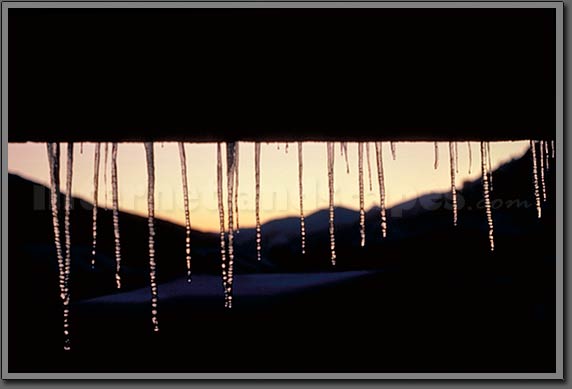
x=340 y=322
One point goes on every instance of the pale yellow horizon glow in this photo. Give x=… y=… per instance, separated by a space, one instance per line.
x=409 y=176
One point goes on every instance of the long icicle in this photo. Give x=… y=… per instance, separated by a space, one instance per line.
x=237 y=225
x=485 y=167
x=183 y=158
x=301 y=193
x=95 y=200
x=470 y=156
x=436 y=163
x=367 y=147
x=330 y=154
x=542 y=182
x=381 y=181
x=223 y=257
x=230 y=173
x=151 y=222
x=393 y=148
x=257 y=200
x=535 y=179
x=105 y=181
x=361 y=195
x=67 y=234
x=452 y=163
x=115 y=195
x=54 y=165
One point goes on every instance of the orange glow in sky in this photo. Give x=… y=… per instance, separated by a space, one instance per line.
x=410 y=175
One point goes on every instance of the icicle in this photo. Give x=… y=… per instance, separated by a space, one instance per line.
x=277 y=146
x=490 y=169
x=105 y=181
x=456 y=157
x=436 y=163
x=361 y=195
x=381 y=181
x=95 y=201
x=151 y=221
x=257 y=184
x=344 y=146
x=535 y=179
x=453 y=177
x=237 y=226
x=330 y=153
x=485 y=167
x=231 y=171
x=67 y=234
x=81 y=147
x=54 y=165
x=367 y=145
x=546 y=154
x=553 y=149
x=183 y=159
x=221 y=222
x=543 y=184
x=286 y=147
x=470 y=156
x=301 y=192
x=115 y=199
x=393 y=150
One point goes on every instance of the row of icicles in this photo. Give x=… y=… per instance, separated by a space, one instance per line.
x=542 y=151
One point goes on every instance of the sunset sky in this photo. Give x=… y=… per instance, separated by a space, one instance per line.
x=410 y=175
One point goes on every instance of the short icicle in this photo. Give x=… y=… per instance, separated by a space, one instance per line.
x=381 y=182
x=489 y=164
x=470 y=156
x=257 y=200
x=542 y=168
x=361 y=195
x=223 y=256
x=535 y=179
x=553 y=149
x=331 y=157
x=367 y=147
x=344 y=146
x=151 y=222
x=393 y=148
x=183 y=158
x=237 y=224
x=105 y=181
x=452 y=163
x=301 y=194
x=456 y=157
x=485 y=167
x=96 y=164
x=115 y=199
x=436 y=162
x=546 y=155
